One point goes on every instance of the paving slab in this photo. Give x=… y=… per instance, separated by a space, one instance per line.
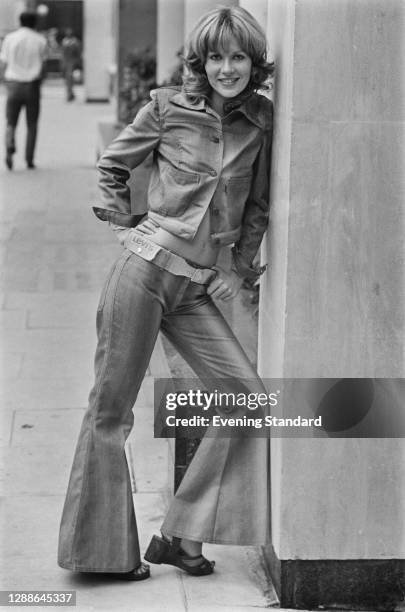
x=55 y=340
x=6 y=427
x=6 y=230
x=55 y=299
x=38 y=470
x=31 y=544
x=12 y=319
x=221 y=588
x=39 y=427
x=45 y=393
x=76 y=314
x=10 y=365
x=52 y=393
x=31 y=539
x=57 y=365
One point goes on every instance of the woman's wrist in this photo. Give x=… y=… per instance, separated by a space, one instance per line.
x=236 y=271
x=243 y=268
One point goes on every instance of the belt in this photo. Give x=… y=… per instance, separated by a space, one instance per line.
x=150 y=251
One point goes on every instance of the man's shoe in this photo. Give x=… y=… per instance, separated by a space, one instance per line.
x=31 y=166
x=9 y=161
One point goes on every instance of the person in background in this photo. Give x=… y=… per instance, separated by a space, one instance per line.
x=23 y=53
x=71 y=60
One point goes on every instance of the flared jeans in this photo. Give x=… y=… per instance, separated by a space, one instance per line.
x=223 y=497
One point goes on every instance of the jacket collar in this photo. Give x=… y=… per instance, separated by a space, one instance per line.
x=180 y=99
x=247 y=104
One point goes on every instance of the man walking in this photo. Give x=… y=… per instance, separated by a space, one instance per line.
x=71 y=60
x=23 y=52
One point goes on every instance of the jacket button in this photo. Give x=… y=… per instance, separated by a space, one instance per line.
x=213 y=172
x=215 y=211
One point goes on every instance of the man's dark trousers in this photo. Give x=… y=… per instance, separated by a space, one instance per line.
x=21 y=94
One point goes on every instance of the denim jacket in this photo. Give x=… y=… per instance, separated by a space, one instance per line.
x=199 y=162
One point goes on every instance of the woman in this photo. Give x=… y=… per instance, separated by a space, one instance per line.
x=208 y=189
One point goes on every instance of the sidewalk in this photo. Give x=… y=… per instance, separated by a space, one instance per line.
x=55 y=256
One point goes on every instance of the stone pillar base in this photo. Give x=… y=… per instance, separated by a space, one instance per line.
x=359 y=584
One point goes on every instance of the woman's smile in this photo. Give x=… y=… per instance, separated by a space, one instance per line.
x=230 y=82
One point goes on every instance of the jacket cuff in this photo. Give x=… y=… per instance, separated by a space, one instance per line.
x=117 y=218
x=241 y=267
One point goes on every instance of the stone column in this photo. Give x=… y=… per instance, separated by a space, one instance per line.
x=137 y=33
x=332 y=301
x=9 y=12
x=99 y=52
x=258 y=8
x=170 y=36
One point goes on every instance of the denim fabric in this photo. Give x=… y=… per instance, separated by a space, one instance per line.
x=21 y=95
x=199 y=162
x=98 y=528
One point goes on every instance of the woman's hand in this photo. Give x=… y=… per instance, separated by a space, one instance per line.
x=147 y=227
x=226 y=285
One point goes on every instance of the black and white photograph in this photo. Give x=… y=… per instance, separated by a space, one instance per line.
x=202 y=299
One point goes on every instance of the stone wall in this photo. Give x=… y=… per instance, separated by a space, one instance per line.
x=332 y=303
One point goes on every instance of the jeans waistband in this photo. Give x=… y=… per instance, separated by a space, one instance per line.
x=150 y=251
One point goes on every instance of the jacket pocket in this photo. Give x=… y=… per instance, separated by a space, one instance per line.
x=174 y=191
x=236 y=194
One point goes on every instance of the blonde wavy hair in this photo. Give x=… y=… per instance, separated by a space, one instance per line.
x=213 y=32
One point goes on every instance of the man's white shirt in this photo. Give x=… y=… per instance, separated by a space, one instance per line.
x=23 y=52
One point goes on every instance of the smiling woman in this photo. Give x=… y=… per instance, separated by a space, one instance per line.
x=209 y=190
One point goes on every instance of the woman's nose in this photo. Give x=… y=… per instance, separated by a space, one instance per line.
x=227 y=66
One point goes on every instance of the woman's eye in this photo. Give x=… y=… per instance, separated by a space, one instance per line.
x=239 y=57
x=215 y=57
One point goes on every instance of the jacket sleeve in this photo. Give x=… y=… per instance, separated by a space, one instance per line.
x=256 y=215
x=124 y=154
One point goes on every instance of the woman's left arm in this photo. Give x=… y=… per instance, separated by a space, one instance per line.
x=228 y=282
x=256 y=215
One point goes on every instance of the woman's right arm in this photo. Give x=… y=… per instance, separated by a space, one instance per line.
x=146 y=227
x=126 y=152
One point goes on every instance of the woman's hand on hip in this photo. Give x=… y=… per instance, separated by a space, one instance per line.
x=147 y=227
x=226 y=285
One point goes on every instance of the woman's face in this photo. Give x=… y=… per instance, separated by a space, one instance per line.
x=228 y=71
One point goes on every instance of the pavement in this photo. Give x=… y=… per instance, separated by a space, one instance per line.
x=55 y=255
